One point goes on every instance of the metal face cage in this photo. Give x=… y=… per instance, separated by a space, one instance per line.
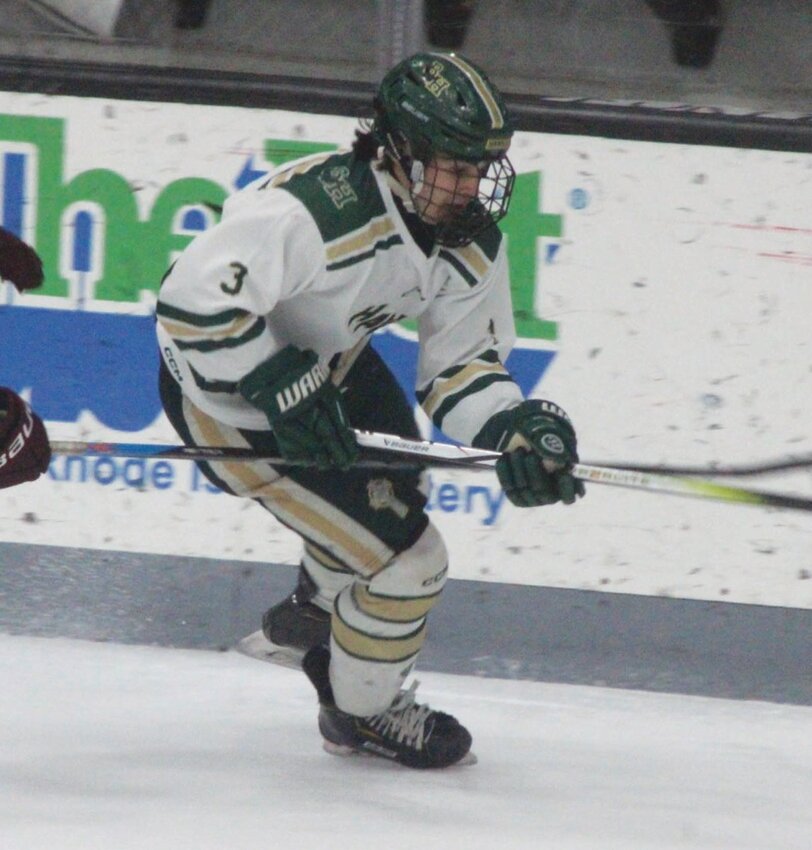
x=466 y=219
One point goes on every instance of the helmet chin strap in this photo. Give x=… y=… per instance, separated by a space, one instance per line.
x=401 y=191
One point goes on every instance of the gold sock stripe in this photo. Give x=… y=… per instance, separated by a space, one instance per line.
x=369 y=648
x=392 y=609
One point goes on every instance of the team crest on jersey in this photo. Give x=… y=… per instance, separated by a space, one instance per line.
x=335 y=182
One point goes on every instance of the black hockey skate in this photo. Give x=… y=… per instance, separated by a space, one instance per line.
x=289 y=628
x=408 y=733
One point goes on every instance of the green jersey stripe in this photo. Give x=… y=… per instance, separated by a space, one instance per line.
x=382 y=245
x=476 y=386
x=451 y=258
x=255 y=330
x=210 y=386
x=198 y=320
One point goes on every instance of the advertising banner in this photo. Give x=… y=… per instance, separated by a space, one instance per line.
x=661 y=295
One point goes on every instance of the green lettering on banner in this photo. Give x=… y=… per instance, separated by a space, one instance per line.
x=133 y=253
x=523 y=227
x=161 y=236
x=46 y=135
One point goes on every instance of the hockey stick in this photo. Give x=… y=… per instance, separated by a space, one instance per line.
x=715 y=470
x=404 y=452
x=400 y=452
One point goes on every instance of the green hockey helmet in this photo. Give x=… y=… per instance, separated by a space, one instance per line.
x=441 y=104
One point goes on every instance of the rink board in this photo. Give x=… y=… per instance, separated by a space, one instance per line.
x=487 y=629
x=661 y=293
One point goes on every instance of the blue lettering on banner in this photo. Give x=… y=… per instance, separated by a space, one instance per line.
x=482 y=502
x=14 y=186
x=485 y=503
x=200 y=482
x=132 y=473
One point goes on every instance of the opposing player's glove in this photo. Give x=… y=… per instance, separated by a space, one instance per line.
x=19 y=262
x=539 y=449
x=304 y=408
x=24 y=449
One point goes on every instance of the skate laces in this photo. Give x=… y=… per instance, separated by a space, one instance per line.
x=405 y=720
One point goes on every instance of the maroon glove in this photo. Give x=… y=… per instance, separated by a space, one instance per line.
x=19 y=262
x=24 y=449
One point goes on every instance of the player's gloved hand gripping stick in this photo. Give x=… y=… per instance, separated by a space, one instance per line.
x=304 y=409
x=539 y=452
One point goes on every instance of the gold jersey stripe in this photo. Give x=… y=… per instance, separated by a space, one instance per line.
x=474 y=257
x=371 y=648
x=444 y=388
x=324 y=560
x=303 y=167
x=361 y=240
x=482 y=89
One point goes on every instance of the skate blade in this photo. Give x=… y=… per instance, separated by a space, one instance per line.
x=343 y=751
x=256 y=645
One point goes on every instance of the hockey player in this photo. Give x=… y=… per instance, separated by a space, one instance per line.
x=264 y=324
x=24 y=449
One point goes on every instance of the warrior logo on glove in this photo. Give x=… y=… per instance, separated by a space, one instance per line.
x=304 y=409
x=300 y=388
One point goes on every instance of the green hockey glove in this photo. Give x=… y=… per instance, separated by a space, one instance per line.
x=304 y=409
x=538 y=448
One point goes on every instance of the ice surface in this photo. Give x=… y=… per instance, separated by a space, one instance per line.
x=119 y=747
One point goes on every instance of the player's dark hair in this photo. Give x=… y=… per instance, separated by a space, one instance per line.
x=365 y=147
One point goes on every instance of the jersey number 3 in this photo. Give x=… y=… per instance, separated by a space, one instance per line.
x=240 y=271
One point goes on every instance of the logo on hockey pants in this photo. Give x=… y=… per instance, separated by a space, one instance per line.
x=382 y=496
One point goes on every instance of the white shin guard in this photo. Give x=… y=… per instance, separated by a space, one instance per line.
x=379 y=626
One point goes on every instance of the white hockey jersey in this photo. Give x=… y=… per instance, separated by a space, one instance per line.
x=317 y=255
